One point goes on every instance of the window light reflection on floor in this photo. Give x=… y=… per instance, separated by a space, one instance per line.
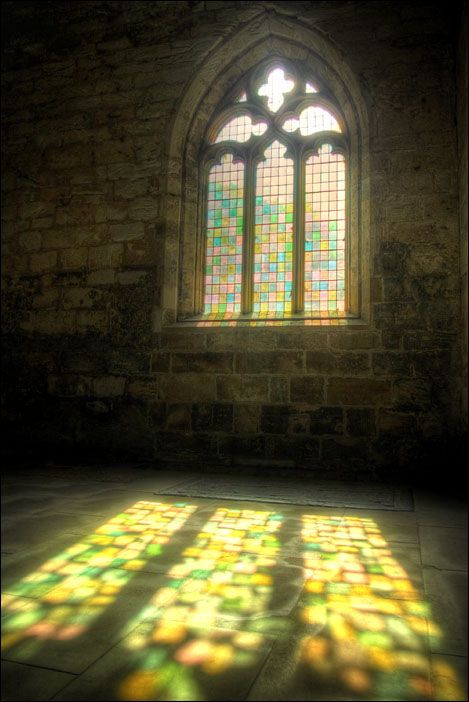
x=360 y=629
x=61 y=599
x=204 y=619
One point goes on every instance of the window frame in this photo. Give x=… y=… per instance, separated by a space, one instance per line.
x=299 y=148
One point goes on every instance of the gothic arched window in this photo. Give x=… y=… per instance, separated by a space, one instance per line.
x=274 y=216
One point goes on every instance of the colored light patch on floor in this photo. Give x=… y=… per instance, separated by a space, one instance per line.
x=365 y=624
x=273 y=231
x=224 y=238
x=224 y=580
x=325 y=232
x=67 y=593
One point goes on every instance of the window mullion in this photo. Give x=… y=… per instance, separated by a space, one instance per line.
x=248 y=240
x=298 y=236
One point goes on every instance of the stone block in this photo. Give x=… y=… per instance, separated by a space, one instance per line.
x=132 y=277
x=201 y=416
x=269 y=362
x=178 y=416
x=413 y=394
x=68 y=385
x=130 y=189
x=320 y=362
x=101 y=277
x=351 y=363
x=30 y=241
x=203 y=362
x=73 y=259
x=188 y=387
x=326 y=420
x=109 y=386
x=275 y=419
x=44 y=261
x=50 y=322
x=143 y=388
x=358 y=391
x=393 y=363
x=138 y=253
x=307 y=389
x=105 y=257
x=48 y=298
x=222 y=417
x=353 y=340
x=298 y=423
x=242 y=388
x=126 y=232
x=396 y=423
x=144 y=210
x=183 y=341
x=159 y=362
x=361 y=421
x=305 y=339
x=79 y=298
x=92 y=321
x=247 y=419
x=279 y=389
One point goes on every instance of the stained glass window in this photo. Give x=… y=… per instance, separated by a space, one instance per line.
x=275 y=227
x=324 y=231
x=223 y=257
x=273 y=247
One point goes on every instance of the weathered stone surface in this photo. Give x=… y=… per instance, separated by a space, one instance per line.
x=188 y=387
x=274 y=419
x=178 y=416
x=361 y=421
x=207 y=362
x=326 y=420
x=242 y=388
x=109 y=386
x=307 y=389
x=358 y=391
x=269 y=362
x=246 y=419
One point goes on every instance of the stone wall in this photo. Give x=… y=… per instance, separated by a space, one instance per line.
x=463 y=127
x=90 y=93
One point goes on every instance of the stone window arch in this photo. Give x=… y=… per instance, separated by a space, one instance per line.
x=216 y=97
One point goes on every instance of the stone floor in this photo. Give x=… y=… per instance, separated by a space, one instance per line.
x=113 y=591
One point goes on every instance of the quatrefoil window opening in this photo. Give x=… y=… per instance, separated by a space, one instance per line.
x=275 y=204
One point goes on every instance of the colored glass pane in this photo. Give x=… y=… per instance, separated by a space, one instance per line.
x=312 y=120
x=224 y=240
x=240 y=129
x=324 y=257
x=273 y=244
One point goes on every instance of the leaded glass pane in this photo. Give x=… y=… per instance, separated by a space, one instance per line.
x=311 y=121
x=223 y=254
x=325 y=232
x=240 y=129
x=273 y=245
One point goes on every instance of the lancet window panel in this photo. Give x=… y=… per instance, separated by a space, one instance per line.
x=275 y=201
